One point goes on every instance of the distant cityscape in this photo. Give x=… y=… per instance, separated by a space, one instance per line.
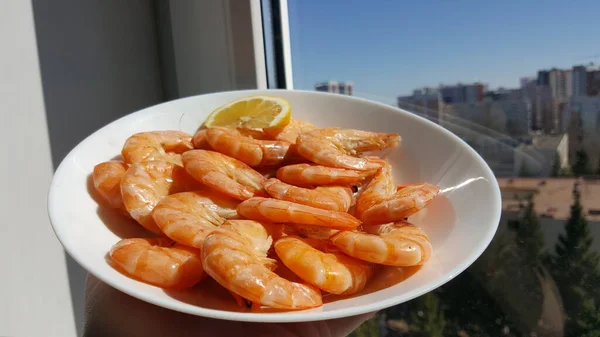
x=534 y=130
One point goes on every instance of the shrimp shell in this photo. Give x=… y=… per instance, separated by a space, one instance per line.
x=199 y=140
x=291 y=131
x=281 y=211
x=224 y=174
x=335 y=147
x=309 y=175
x=323 y=266
x=188 y=217
x=335 y=198
x=146 y=183
x=309 y=231
x=158 y=261
x=383 y=202
x=107 y=182
x=235 y=255
x=252 y=152
x=398 y=244
x=156 y=145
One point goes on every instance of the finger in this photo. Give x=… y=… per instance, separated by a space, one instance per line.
x=344 y=326
x=110 y=312
x=340 y=327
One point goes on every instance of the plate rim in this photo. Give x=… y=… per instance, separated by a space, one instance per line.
x=288 y=316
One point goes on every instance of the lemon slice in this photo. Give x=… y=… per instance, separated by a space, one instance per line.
x=252 y=112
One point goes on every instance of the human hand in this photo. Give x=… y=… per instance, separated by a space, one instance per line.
x=109 y=312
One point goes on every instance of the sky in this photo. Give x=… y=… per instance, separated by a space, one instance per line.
x=388 y=48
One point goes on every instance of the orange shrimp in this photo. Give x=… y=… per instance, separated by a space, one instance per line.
x=383 y=202
x=156 y=145
x=250 y=151
x=335 y=198
x=398 y=244
x=188 y=217
x=146 y=183
x=323 y=265
x=107 y=181
x=235 y=255
x=281 y=211
x=224 y=174
x=290 y=132
x=335 y=147
x=199 y=140
x=309 y=175
x=309 y=231
x=158 y=261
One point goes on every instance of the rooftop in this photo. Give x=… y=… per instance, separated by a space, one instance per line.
x=552 y=197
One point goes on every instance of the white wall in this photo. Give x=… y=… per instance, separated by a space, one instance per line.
x=99 y=61
x=93 y=63
x=34 y=288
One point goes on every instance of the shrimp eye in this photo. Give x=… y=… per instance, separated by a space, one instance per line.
x=354 y=188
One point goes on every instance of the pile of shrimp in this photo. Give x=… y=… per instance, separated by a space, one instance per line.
x=240 y=205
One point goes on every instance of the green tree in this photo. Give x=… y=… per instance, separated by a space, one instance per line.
x=575 y=266
x=566 y=172
x=473 y=309
x=580 y=167
x=427 y=317
x=588 y=322
x=555 y=172
x=530 y=240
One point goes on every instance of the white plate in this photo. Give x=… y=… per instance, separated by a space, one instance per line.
x=460 y=222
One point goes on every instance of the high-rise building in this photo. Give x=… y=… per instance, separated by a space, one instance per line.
x=424 y=101
x=526 y=82
x=543 y=115
x=593 y=82
x=554 y=90
x=580 y=81
x=561 y=84
x=462 y=93
x=543 y=77
x=581 y=119
x=343 y=88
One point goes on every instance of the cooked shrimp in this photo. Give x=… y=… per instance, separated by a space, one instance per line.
x=107 y=181
x=146 y=183
x=235 y=255
x=291 y=131
x=188 y=217
x=199 y=140
x=335 y=147
x=383 y=202
x=248 y=150
x=335 y=198
x=159 y=262
x=224 y=174
x=309 y=231
x=308 y=175
x=318 y=263
x=281 y=211
x=398 y=244
x=156 y=145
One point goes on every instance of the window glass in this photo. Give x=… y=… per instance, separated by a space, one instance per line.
x=519 y=81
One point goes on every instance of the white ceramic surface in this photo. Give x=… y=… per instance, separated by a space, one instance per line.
x=460 y=222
